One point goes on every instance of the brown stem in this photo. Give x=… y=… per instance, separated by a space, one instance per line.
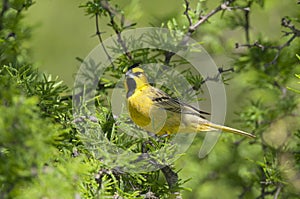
x=171 y=176
x=293 y=31
x=98 y=33
x=111 y=13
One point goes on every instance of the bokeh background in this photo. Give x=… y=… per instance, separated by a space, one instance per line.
x=62 y=31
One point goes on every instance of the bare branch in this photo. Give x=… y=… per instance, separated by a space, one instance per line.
x=186 y=12
x=247 y=21
x=255 y=44
x=293 y=31
x=98 y=33
x=287 y=24
x=112 y=13
x=278 y=191
x=192 y=27
x=170 y=175
x=223 y=6
x=217 y=78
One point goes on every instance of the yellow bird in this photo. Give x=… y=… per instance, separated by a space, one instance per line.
x=156 y=112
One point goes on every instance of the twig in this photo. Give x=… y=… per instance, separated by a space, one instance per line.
x=293 y=31
x=170 y=175
x=192 y=27
x=247 y=21
x=168 y=57
x=255 y=44
x=98 y=33
x=245 y=191
x=263 y=185
x=186 y=12
x=278 y=191
x=216 y=78
x=112 y=13
x=223 y=6
x=287 y=24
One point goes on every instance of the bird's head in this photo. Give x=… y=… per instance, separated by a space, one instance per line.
x=135 y=78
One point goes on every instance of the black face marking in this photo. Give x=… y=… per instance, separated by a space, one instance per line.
x=131 y=85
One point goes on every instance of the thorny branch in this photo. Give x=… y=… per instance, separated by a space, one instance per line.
x=278 y=190
x=194 y=26
x=186 y=12
x=204 y=18
x=98 y=33
x=216 y=78
x=286 y=23
x=172 y=179
x=247 y=21
x=111 y=13
x=224 y=6
x=170 y=175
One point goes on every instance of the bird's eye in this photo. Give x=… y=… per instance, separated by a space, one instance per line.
x=138 y=73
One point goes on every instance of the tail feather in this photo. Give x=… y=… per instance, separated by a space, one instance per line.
x=212 y=126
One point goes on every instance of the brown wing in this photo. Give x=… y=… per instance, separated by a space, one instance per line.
x=162 y=100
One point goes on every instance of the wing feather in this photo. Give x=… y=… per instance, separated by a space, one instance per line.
x=162 y=100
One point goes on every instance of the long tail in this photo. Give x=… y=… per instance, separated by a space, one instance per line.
x=212 y=126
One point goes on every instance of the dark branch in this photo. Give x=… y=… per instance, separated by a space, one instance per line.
x=278 y=190
x=186 y=12
x=112 y=13
x=217 y=78
x=223 y=6
x=171 y=176
x=193 y=27
x=255 y=44
x=98 y=33
x=292 y=31
x=247 y=21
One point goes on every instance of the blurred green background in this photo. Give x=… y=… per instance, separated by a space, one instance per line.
x=62 y=32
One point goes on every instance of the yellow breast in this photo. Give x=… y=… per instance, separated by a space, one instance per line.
x=139 y=105
x=151 y=118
